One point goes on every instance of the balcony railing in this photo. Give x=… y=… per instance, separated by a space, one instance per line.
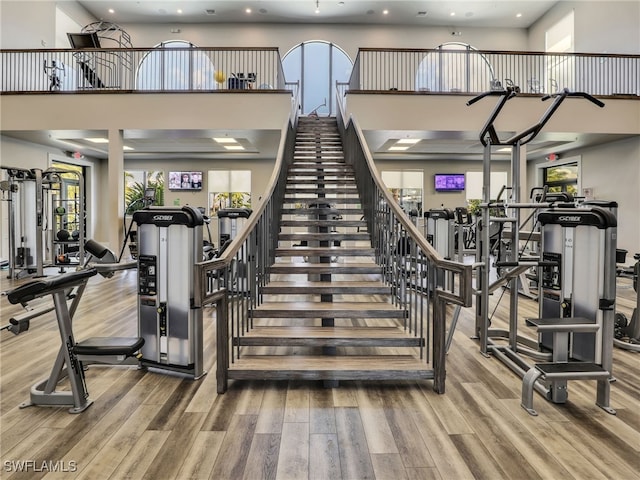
x=460 y=68
x=137 y=69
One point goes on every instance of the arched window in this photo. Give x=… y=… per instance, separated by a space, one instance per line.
x=455 y=67
x=174 y=66
x=317 y=66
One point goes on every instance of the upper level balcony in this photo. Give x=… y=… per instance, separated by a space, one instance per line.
x=423 y=90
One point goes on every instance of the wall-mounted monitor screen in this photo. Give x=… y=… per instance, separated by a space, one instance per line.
x=185 y=180
x=84 y=40
x=449 y=182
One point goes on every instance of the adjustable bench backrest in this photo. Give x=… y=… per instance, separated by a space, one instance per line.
x=39 y=288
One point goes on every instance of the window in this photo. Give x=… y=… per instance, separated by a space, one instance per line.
x=140 y=186
x=562 y=178
x=317 y=66
x=406 y=187
x=455 y=67
x=168 y=69
x=560 y=68
x=69 y=192
x=228 y=189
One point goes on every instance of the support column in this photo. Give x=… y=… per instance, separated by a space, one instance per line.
x=115 y=190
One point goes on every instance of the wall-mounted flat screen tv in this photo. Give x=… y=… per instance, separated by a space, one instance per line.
x=449 y=182
x=185 y=180
x=84 y=40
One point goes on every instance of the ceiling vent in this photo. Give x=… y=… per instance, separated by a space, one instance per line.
x=210 y=11
x=421 y=14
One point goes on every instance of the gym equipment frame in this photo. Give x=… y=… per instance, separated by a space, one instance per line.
x=558 y=352
x=69 y=361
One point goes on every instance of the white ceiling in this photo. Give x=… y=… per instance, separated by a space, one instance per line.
x=476 y=13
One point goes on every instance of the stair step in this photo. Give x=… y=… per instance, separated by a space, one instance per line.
x=326 y=157
x=323 y=169
x=323 y=223
x=324 y=268
x=304 y=336
x=341 y=200
x=322 y=367
x=312 y=162
x=326 y=288
x=322 y=211
x=321 y=181
x=326 y=236
x=327 y=310
x=324 y=252
x=322 y=190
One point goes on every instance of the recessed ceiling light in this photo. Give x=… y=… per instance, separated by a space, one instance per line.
x=225 y=140
x=385 y=12
x=518 y=15
x=247 y=10
x=234 y=147
x=398 y=149
x=408 y=141
x=453 y=14
x=97 y=140
x=111 y=10
x=179 y=11
x=128 y=149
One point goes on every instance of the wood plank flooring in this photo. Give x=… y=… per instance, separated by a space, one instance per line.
x=150 y=425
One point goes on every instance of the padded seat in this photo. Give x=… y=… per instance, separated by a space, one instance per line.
x=572 y=371
x=109 y=346
x=39 y=288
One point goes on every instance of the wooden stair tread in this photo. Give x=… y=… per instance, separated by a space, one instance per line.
x=322 y=222
x=326 y=251
x=327 y=306
x=330 y=236
x=320 y=288
x=317 y=268
x=328 y=336
x=321 y=211
x=328 y=310
x=327 y=332
x=332 y=200
x=344 y=367
x=325 y=181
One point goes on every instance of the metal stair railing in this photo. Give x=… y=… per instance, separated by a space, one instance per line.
x=232 y=282
x=420 y=277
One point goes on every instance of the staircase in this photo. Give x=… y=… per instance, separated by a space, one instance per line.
x=326 y=314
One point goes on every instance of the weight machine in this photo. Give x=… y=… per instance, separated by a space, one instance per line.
x=38 y=207
x=66 y=291
x=560 y=355
x=169 y=245
x=626 y=333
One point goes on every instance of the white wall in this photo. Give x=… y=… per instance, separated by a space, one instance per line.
x=613 y=171
x=600 y=26
x=431 y=198
x=347 y=37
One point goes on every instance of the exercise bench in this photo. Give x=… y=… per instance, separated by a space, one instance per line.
x=72 y=354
